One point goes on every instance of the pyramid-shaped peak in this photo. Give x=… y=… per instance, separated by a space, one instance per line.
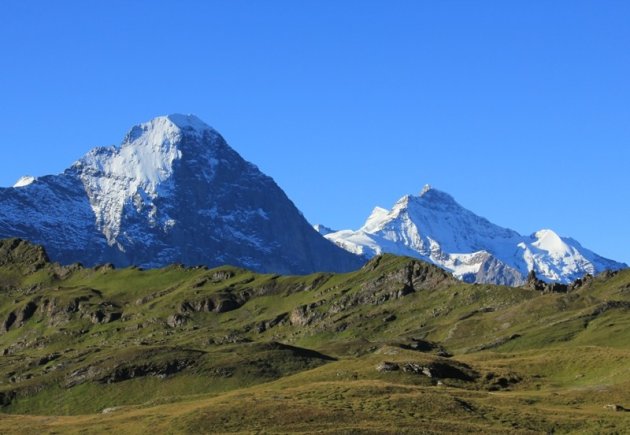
x=430 y=193
x=425 y=189
x=173 y=191
x=187 y=121
x=167 y=128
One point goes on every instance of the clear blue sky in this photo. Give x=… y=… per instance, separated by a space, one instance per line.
x=519 y=109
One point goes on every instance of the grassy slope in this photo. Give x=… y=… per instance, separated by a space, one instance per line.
x=537 y=362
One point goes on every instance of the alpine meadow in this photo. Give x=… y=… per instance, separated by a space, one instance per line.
x=330 y=217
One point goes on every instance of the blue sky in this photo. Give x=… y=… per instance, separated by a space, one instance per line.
x=519 y=109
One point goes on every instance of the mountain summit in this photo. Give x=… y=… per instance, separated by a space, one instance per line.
x=434 y=227
x=173 y=191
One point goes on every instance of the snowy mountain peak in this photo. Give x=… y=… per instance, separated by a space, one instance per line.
x=374 y=220
x=24 y=181
x=549 y=240
x=431 y=195
x=188 y=122
x=435 y=228
x=401 y=204
x=138 y=171
x=172 y=191
x=167 y=129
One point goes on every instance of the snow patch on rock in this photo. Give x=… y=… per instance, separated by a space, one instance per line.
x=25 y=181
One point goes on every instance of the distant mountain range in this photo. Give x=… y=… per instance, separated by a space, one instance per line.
x=173 y=192
x=434 y=227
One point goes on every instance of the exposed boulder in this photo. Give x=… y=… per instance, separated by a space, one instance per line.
x=441 y=369
x=386 y=366
x=221 y=275
x=306 y=314
x=420 y=345
x=495 y=382
x=100 y=316
x=175 y=320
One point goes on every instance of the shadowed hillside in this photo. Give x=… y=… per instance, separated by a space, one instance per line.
x=398 y=346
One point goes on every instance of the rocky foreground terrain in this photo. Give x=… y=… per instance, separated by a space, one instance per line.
x=398 y=346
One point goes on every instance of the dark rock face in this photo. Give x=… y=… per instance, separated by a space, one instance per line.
x=175 y=320
x=9 y=321
x=415 y=276
x=26 y=312
x=220 y=303
x=494 y=271
x=120 y=374
x=547 y=287
x=18 y=252
x=174 y=192
x=100 y=316
x=436 y=369
x=6 y=397
x=387 y=366
x=137 y=365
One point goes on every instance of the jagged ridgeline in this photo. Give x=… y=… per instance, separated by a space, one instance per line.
x=174 y=191
x=397 y=346
x=432 y=226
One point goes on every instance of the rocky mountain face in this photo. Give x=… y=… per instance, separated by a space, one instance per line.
x=174 y=191
x=434 y=227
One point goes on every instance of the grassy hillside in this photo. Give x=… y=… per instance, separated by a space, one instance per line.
x=398 y=346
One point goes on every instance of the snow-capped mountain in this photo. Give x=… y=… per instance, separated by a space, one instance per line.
x=435 y=228
x=174 y=191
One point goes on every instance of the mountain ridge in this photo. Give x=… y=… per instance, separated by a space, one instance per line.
x=434 y=227
x=175 y=191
